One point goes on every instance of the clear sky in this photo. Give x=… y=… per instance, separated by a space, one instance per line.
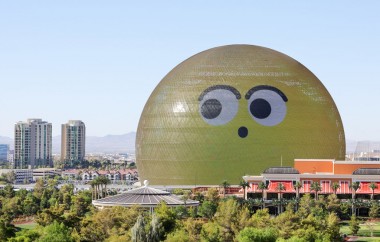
x=98 y=61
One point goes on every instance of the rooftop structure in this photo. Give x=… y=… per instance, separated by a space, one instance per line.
x=146 y=197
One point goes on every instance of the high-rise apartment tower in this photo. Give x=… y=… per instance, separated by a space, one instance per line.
x=33 y=144
x=73 y=141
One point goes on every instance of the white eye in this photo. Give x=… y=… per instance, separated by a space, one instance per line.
x=219 y=105
x=267 y=106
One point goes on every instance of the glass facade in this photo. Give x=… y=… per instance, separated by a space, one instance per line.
x=231 y=111
x=4 y=149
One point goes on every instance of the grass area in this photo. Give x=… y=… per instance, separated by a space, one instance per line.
x=364 y=232
x=26 y=225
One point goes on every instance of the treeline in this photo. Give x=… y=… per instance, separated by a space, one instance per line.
x=62 y=215
x=95 y=164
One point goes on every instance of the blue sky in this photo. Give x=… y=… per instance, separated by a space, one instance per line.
x=98 y=61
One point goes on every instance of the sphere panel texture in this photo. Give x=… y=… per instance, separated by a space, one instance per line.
x=232 y=111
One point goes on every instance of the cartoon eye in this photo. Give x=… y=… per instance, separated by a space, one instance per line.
x=266 y=105
x=219 y=104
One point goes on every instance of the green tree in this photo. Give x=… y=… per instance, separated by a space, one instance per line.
x=56 y=232
x=263 y=187
x=373 y=187
x=297 y=186
x=7 y=230
x=103 y=181
x=225 y=185
x=9 y=191
x=258 y=235
x=185 y=196
x=207 y=209
x=30 y=205
x=243 y=220
x=244 y=184
x=374 y=210
x=180 y=235
x=335 y=186
x=193 y=228
x=25 y=235
x=139 y=233
x=287 y=222
x=354 y=187
x=226 y=217
x=49 y=215
x=316 y=187
x=280 y=188
x=81 y=203
x=354 y=225
x=261 y=219
x=156 y=230
x=39 y=188
x=167 y=217
x=212 y=195
x=332 y=228
x=115 y=221
x=305 y=206
x=12 y=207
x=211 y=232
x=333 y=203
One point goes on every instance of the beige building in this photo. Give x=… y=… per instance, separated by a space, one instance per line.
x=73 y=142
x=33 y=144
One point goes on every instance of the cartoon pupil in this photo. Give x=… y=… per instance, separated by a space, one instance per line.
x=219 y=105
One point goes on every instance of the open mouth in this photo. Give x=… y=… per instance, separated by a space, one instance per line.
x=243 y=132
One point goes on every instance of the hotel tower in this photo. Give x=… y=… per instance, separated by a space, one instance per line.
x=33 y=144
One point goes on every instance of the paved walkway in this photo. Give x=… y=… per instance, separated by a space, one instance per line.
x=352 y=238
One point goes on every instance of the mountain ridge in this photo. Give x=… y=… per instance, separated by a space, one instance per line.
x=123 y=143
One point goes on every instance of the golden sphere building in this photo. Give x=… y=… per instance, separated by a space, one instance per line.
x=235 y=110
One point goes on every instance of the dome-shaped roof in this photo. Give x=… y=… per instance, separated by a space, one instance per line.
x=145 y=197
x=281 y=170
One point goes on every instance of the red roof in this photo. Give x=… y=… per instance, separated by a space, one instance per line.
x=364 y=188
x=287 y=184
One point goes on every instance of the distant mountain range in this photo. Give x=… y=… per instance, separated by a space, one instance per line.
x=122 y=143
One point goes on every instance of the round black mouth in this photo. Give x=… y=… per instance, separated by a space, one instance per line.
x=243 y=132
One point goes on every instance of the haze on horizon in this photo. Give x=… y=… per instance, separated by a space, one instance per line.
x=99 y=61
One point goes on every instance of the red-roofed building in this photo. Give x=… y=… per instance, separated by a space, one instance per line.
x=325 y=172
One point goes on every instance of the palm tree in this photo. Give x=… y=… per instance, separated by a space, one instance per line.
x=244 y=185
x=225 y=185
x=262 y=186
x=316 y=187
x=280 y=187
x=335 y=186
x=95 y=188
x=103 y=180
x=354 y=187
x=373 y=186
x=298 y=186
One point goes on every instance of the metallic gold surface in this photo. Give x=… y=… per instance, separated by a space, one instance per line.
x=177 y=146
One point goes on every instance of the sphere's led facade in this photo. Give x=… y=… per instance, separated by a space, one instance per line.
x=235 y=110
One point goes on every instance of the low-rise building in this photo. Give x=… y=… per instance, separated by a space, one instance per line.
x=20 y=175
x=45 y=173
x=326 y=172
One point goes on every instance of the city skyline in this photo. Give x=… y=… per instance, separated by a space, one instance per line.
x=99 y=62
